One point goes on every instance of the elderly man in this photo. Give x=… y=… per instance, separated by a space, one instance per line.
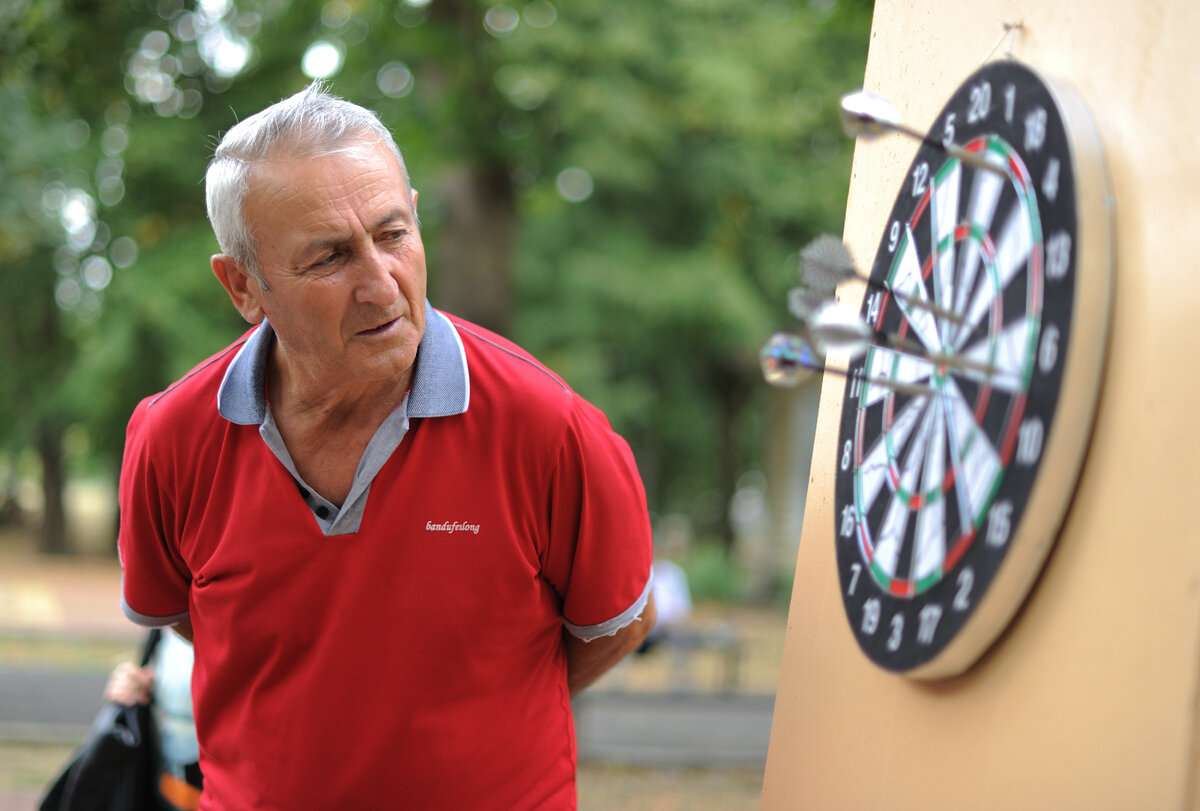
x=399 y=542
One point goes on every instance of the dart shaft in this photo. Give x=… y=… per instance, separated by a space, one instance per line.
x=973 y=159
x=785 y=355
x=913 y=301
x=869 y=114
x=826 y=262
x=950 y=360
x=914 y=389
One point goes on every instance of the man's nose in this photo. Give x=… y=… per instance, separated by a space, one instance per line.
x=375 y=282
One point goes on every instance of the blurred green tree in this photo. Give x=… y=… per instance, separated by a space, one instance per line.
x=53 y=87
x=708 y=135
x=620 y=186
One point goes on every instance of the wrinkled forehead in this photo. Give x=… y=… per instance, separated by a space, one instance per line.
x=337 y=193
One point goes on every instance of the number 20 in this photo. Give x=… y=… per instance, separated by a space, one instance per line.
x=980 y=103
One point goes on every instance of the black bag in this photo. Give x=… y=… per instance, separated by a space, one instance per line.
x=113 y=770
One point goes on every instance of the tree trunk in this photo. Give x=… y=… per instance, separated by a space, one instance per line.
x=53 y=537
x=730 y=388
x=471 y=268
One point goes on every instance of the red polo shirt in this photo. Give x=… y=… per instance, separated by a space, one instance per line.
x=405 y=650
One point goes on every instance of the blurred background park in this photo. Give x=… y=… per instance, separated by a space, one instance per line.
x=622 y=187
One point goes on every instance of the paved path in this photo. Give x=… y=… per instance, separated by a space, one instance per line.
x=683 y=729
x=673 y=730
x=48 y=706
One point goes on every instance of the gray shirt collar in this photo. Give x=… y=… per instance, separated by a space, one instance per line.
x=441 y=386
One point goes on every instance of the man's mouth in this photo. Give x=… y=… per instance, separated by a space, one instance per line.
x=380 y=329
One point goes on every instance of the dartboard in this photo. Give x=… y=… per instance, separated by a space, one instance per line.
x=951 y=489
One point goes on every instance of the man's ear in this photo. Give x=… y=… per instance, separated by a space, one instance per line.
x=243 y=289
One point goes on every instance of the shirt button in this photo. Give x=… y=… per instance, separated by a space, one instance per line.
x=322 y=512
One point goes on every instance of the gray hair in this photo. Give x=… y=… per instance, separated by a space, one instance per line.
x=310 y=123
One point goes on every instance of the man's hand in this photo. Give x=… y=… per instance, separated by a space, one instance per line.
x=588 y=661
x=129 y=684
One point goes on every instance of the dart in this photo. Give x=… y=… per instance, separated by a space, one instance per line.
x=786 y=358
x=834 y=327
x=826 y=262
x=870 y=115
x=803 y=302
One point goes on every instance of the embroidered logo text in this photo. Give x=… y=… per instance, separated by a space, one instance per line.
x=452 y=527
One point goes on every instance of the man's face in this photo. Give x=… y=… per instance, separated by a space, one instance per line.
x=342 y=261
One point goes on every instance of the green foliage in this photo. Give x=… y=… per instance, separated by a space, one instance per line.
x=710 y=133
x=712 y=574
x=705 y=132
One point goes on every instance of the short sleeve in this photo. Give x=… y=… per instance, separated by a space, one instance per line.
x=155 y=580
x=600 y=542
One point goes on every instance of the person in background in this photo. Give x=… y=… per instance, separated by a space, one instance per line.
x=165 y=683
x=672 y=601
x=399 y=542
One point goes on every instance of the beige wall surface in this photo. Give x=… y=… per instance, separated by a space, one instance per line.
x=1090 y=699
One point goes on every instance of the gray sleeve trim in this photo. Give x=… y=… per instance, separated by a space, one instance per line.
x=151 y=622
x=609 y=628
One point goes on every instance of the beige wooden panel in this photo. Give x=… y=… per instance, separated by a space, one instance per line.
x=1090 y=699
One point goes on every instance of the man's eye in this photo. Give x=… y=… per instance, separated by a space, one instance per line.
x=394 y=236
x=328 y=260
